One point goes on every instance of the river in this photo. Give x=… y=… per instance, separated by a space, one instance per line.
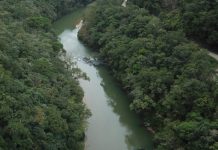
x=112 y=125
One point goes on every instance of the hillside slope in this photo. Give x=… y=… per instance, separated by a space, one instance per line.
x=40 y=103
x=170 y=79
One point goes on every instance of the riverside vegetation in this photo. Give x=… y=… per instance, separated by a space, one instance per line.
x=40 y=103
x=171 y=80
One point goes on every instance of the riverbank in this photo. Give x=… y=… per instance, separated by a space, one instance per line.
x=112 y=124
x=72 y=19
x=166 y=75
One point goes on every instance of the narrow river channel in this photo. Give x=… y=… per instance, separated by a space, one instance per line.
x=112 y=125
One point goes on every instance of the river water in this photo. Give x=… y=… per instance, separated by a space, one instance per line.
x=112 y=125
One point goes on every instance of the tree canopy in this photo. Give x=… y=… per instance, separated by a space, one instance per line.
x=198 y=18
x=170 y=79
x=40 y=103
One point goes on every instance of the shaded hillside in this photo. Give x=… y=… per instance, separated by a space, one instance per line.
x=198 y=18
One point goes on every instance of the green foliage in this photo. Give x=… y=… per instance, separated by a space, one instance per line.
x=200 y=19
x=154 y=6
x=168 y=77
x=41 y=104
x=39 y=22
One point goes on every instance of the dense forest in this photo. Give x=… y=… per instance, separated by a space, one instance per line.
x=197 y=18
x=40 y=103
x=171 y=80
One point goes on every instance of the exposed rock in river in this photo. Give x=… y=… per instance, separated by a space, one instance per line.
x=79 y=25
x=124 y=3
